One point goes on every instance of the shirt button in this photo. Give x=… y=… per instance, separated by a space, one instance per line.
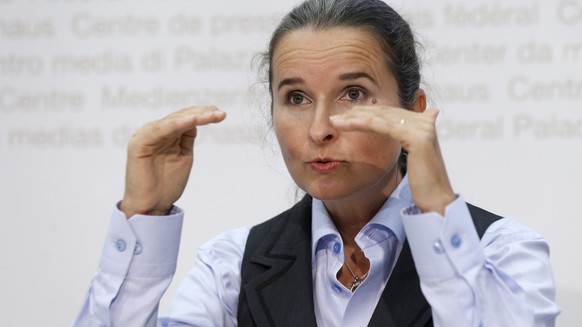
x=337 y=288
x=120 y=245
x=438 y=247
x=137 y=249
x=336 y=248
x=456 y=241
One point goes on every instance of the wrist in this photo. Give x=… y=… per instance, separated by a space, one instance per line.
x=438 y=203
x=131 y=210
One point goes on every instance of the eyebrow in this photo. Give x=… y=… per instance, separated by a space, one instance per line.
x=290 y=81
x=342 y=77
x=356 y=75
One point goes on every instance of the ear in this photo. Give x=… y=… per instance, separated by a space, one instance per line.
x=419 y=101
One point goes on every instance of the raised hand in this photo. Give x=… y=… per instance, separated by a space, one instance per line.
x=416 y=132
x=159 y=160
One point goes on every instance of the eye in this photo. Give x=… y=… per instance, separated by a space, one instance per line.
x=354 y=94
x=297 y=99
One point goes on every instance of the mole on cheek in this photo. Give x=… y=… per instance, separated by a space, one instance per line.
x=374 y=100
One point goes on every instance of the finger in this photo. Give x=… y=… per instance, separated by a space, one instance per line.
x=187 y=142
x=181 y=122
x=432 y=112
x=192 y=117
x=187 y=118
x=372 y=119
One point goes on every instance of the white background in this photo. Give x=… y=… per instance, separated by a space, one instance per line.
x=77 y=77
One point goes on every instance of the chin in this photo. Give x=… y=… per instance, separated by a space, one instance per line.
x=325 y=194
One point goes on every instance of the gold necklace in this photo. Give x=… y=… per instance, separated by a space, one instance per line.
x=357 y=280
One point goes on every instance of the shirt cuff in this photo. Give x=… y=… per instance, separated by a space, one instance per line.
x=443 y=247
x=143 y=246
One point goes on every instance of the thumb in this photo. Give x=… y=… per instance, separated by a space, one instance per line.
x=432 y=113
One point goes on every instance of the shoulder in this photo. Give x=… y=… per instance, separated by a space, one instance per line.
x=497 y=231
x=226 y=247
x=232 y=243
x=296 y=218
x=506 y=240
x=506 y=231
x=482 y=219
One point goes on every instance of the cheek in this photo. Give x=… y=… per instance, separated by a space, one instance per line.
x=285 y=137
x=378 y=151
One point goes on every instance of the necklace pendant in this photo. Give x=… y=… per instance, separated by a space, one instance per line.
x=355 y=284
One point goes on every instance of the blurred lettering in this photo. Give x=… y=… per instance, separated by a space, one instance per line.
x=530 y=126
x=570 y=12
x=27 y=101
x=85 y=25
x=494 y=15
x=21 y=29
x=523 y=88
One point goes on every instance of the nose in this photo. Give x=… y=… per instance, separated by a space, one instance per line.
x=321 y=131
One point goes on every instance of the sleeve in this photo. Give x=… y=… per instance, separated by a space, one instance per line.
x=137 y=264
x=504 y=279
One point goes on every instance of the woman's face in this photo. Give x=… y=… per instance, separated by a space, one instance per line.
x=318 y=74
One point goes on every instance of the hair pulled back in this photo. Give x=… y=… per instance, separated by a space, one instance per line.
x=383 y=22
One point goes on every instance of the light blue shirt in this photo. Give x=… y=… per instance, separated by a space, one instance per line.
x=504 y=279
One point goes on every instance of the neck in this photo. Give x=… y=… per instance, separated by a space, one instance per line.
x=352 y=213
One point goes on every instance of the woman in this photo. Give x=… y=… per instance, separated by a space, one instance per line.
x=356 y=136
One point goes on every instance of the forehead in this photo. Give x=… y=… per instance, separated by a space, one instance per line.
x=307 y=48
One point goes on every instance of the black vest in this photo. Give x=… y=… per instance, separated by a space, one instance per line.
x=276 y=276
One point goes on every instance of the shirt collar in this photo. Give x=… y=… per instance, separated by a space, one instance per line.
x=389 y=216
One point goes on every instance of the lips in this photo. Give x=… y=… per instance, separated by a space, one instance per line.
x=325 y=165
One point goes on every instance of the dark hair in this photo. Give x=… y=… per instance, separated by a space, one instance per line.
x=384 y=23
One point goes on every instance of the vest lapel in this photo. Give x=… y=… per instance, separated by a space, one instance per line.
x=281 y=293
x=402 y=302
x=279 y=288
